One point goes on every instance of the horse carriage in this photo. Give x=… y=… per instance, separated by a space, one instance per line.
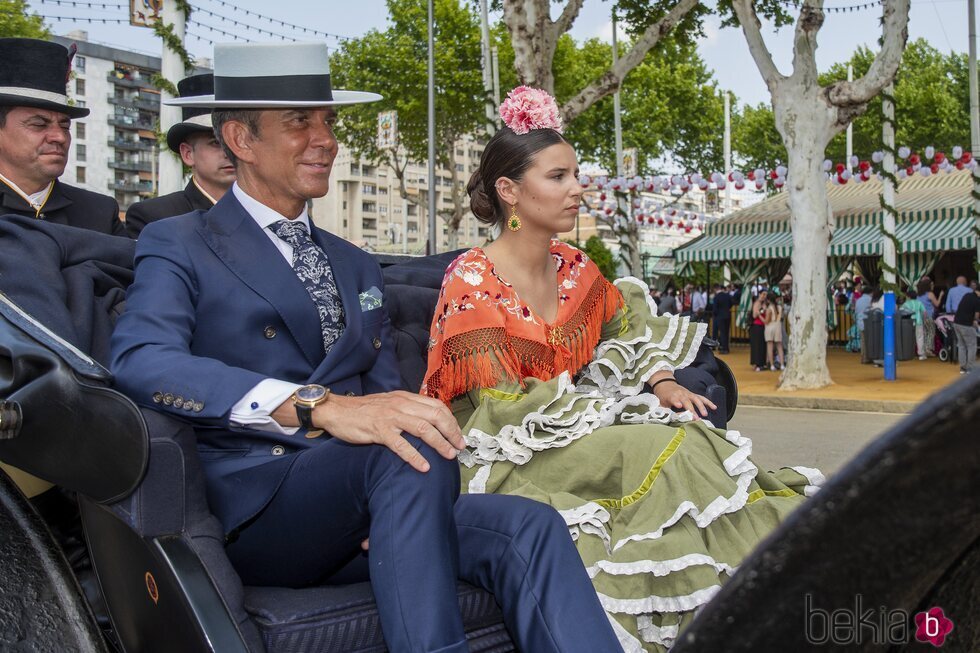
x=899 y=526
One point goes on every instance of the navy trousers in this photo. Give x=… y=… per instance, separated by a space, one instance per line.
x=423 y=536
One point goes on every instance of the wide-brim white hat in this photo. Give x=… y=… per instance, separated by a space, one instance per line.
x=272 y=76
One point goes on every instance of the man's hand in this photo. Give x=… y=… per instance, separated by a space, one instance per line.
x=382 y=418
x=672 y=394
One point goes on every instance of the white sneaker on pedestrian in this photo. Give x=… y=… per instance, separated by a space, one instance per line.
x=922 y=358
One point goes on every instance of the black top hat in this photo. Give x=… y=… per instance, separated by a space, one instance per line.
x=195 y=120
x=34 y=73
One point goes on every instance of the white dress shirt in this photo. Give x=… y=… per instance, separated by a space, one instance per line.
x=254 y=410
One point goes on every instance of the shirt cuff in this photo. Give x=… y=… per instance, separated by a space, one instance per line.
x=255 y=409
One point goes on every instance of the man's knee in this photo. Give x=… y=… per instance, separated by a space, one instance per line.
x=442 y=473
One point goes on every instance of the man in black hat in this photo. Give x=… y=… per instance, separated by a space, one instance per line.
x=35 y=121
x=212 y=174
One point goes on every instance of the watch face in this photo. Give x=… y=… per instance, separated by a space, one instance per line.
x=311 y=393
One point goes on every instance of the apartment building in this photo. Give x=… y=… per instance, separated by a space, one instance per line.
x=365 y=204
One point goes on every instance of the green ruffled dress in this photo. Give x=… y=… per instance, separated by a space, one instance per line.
x=663 y=508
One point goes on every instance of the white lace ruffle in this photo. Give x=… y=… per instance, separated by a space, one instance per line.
x=814 y=478
x=657 y=567
x=478 y=484
x=590 y=518
x=654 y=634
x=653 y=603
x=582 y=412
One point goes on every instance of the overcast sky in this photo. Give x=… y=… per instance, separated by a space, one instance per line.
x=942 y=22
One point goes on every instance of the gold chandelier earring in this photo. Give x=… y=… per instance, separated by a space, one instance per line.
x=514 y=221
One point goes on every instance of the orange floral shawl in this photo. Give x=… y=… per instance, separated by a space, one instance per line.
x=482 y=333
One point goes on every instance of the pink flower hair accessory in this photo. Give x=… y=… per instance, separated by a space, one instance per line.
x=529 y=108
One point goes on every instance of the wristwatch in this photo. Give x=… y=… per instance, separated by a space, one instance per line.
x=306 y=399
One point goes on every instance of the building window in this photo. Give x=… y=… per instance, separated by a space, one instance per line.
x=368 y=207
x=382 y=190
x=79 y=87
x=413 y=210
x=80 y=131
x=79 y=64
x=459 y=167
x=369 y=189
x=345 y=205
x=80 y=104
x=80 y=175
x=383 y=209
x=79 y=152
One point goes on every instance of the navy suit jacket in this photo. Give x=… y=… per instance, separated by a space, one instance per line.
x=214 y=309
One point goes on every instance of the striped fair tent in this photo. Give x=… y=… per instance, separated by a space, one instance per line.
x=934 y=217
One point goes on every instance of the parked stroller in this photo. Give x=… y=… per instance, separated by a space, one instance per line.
x=945 y=338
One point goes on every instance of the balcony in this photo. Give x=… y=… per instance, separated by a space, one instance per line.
x=132 y=123
x=131 y=186
x=130 y=146
x=138 y=82
x=146 y=104
x=132 y=166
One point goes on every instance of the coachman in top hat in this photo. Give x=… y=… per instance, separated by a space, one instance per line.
x=35 y=121
x=193 y=140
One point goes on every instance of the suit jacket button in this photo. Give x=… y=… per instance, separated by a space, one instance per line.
x=178 y=402
x=198 y=406
x=278 y=450
x=377 y=343
x=269 y=332
x=168 y=399
x=189 y=404
x=349 y=393
x=157 y=397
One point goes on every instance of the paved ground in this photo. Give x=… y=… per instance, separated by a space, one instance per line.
x=825 y=439
x=856 y=387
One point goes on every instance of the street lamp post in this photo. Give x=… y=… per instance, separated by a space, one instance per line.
x=432 y=244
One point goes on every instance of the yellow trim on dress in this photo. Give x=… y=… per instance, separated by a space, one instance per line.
x=760 y=494
x=636 y=495
x=500 y=395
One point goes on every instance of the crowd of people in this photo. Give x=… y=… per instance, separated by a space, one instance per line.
x=944 y=320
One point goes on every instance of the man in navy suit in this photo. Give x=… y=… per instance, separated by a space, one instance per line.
x=271 y=336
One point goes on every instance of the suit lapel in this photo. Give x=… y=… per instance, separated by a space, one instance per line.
x=196 y=198
x=57 y=200
x=239 y=242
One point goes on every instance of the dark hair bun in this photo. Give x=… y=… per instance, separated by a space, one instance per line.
x=480 y=203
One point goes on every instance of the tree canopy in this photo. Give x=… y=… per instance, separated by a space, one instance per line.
x=17 y=21
x=671 y=108
x=932 y=107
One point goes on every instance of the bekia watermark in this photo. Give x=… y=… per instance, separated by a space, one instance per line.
x=860 y=624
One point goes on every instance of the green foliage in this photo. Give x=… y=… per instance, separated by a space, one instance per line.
x=394 y=63
x=172 y=41
x=932 y=102
x=932 y=108
x=755 y=141
x=637 y=15
x=16 y=21
x=671 y=107
x=601 y=255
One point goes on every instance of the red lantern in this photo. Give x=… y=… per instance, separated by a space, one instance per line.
x=864 y=166
x=841 y=168
x=967 y=157
x=687 y=230
x=960 y=165
x=910 y=171
x=731 y=176
x=751 y=175
x=940 y=157
x=935 y=168
x=915 y=159
x=774 y=174
x=602 y=197
x=660 y=222
x=841 y=180
x=649 y=219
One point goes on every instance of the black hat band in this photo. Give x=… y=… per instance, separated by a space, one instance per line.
x=295 y=88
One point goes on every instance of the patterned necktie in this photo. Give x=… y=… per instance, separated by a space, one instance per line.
x=311 y=265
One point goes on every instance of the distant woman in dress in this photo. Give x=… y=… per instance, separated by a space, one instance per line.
x=773 y=317
x=757 y=332
x=563 y=386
